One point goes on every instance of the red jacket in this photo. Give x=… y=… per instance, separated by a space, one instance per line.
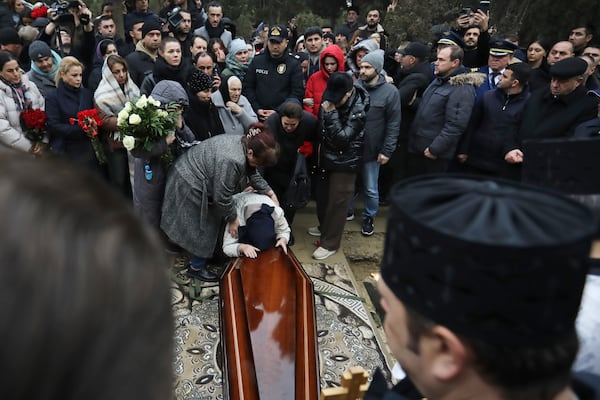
x=318 y=81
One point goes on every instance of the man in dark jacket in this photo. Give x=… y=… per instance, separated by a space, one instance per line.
x=443 y=114
x=413 y=78
x=555 y=111
x=342 y=119
x=497 y=115
x=273 y=76
x=381 y=132
x=141 y=61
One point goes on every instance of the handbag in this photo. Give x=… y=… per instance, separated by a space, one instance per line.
x=297 y=194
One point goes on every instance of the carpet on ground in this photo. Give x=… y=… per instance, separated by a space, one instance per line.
x=345 y=337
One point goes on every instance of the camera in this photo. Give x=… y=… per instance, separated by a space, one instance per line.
x=60 y=8
x=173 y=18
x=465 y=11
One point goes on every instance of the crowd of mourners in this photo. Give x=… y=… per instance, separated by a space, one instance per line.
x=364 y=114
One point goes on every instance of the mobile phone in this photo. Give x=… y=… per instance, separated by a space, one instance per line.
x=465 y=11
x=484 y=5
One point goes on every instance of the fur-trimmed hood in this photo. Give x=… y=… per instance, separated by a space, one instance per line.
x=469 y=78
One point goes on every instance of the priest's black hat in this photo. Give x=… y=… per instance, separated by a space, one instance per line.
x=489 y=259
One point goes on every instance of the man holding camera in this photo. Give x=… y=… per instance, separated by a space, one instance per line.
x=73 y=21
x=473 y=27
x=183 y=32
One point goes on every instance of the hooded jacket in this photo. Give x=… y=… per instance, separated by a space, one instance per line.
x=444 y=113
x=383 y=119
x=368 y=45
x=148 y=194
x=317 y=83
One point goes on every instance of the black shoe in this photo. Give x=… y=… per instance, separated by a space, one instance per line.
x=292 y=240
x=204 y=274
x=367 y=226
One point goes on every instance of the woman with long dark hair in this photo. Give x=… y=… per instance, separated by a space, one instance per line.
x=17 y=94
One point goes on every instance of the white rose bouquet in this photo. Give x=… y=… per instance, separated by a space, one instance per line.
x=144 y=121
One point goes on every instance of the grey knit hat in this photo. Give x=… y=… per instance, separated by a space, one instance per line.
x=38 y=50
x=375 y=58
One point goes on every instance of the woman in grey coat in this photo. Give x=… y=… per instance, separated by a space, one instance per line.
x=234 y=109
x=201 y=185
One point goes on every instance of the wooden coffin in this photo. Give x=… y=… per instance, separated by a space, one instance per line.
x=268 y=329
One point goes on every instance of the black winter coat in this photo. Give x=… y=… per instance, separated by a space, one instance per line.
x=342 y=134
x=410 y=81
x=547 y=117
x=279 y=175
x=65 y=138
x=495 y=117
x=140 y=64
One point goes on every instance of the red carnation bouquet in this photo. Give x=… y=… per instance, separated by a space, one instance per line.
x=39 y=12
x=33 y=122
x=89 y=121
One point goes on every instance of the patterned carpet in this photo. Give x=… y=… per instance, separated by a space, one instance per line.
x=345 y=335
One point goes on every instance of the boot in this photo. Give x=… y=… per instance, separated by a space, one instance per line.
x=203 y=274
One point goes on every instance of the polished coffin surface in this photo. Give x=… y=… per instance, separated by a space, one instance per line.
x=269 y=329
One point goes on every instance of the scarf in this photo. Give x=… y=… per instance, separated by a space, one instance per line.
x=20 y=94
x=214 y=32
x=163 y=71
x=203 y=119
x=236 y=67
x=48 y=75
x=110 y=97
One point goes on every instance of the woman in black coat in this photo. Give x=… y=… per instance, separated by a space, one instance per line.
x=66 y=139
x=202 y=117
x=291 y=126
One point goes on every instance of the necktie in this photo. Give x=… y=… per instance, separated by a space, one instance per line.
x=493 y=77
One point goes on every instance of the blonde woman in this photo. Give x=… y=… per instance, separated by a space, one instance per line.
x=66 y=139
